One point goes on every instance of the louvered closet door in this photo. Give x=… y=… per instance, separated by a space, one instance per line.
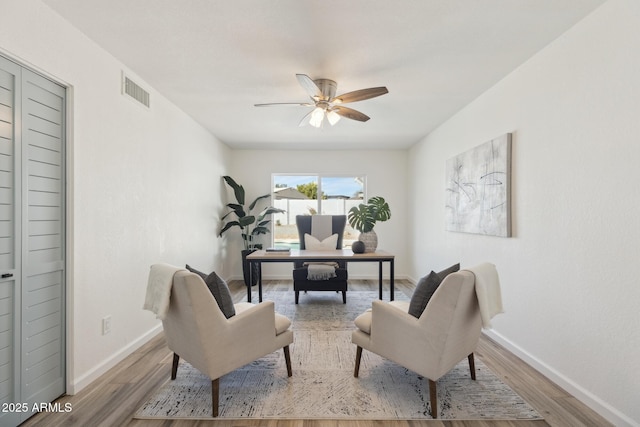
x=9 y=245
x=32 y=286
x=43 y=290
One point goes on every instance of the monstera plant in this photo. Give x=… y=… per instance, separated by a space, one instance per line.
x=365 y=216
x=251 y=225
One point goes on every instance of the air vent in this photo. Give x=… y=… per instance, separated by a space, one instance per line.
x=132 y=89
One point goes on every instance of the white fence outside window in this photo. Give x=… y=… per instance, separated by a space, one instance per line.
x=284 y=224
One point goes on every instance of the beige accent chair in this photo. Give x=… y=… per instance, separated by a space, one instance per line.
x=447 y=331
x=196 y=330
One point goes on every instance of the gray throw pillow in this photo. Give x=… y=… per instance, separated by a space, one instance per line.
x=444 y=273
x=425 y=289
x=219 y=290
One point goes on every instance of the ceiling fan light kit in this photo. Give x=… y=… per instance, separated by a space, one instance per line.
x=328 y=106
x=317 y=117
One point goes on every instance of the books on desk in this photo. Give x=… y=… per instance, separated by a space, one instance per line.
x=283 y=251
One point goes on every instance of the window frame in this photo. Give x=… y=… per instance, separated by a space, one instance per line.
x=318 y=200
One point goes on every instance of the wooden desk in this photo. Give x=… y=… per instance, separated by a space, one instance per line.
x=258 y=257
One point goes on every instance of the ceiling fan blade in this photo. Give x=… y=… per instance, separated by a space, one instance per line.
x=306 y=119
x=285 y=104
x=309 y=86
x=360 y=95
x=350 y=113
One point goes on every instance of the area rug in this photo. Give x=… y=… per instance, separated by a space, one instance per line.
x=323 y=385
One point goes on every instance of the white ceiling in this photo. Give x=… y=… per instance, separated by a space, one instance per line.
x=214 y=59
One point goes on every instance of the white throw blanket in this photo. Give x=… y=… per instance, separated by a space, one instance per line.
x=321 y=270
x=488 y=292
x=159 y=289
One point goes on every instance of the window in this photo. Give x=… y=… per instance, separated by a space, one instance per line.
x=307 y=194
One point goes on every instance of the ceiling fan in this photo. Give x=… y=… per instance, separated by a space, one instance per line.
x=328 y=106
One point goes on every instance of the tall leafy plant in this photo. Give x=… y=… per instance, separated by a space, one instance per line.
x=364 y=216
x=250 y=224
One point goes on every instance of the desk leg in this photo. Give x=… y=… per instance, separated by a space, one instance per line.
x=380 y=279
x=250 y=281
x=259 y=282
x=391 y=273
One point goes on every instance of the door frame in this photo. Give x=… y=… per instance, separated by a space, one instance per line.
x=69 y=168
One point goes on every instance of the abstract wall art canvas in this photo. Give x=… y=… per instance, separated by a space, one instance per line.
x=478 y=189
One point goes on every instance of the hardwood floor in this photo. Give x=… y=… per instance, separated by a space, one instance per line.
x=112 y=399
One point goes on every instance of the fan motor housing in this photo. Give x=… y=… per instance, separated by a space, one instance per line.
x=327 y=88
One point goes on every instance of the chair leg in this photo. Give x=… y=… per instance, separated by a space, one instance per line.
x=356 y=371
x=433 y=394
x=472 y=366
x=215 y=392
x=297 y=296
x=287 y=359
x=344 y=297
x=174 y=366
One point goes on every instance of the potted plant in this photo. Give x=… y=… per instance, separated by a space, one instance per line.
x=251 y=225
x=364 y=217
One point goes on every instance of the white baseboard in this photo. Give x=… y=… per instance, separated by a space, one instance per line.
x=594 y=402
x=78 y=384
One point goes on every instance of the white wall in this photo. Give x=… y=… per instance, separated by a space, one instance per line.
x=386 y=173
x=136 y=177
x=569 y=277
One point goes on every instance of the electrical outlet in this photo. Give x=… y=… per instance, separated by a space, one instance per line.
x=106 y=325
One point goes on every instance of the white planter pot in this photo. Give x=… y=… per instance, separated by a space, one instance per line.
x=370 y=240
